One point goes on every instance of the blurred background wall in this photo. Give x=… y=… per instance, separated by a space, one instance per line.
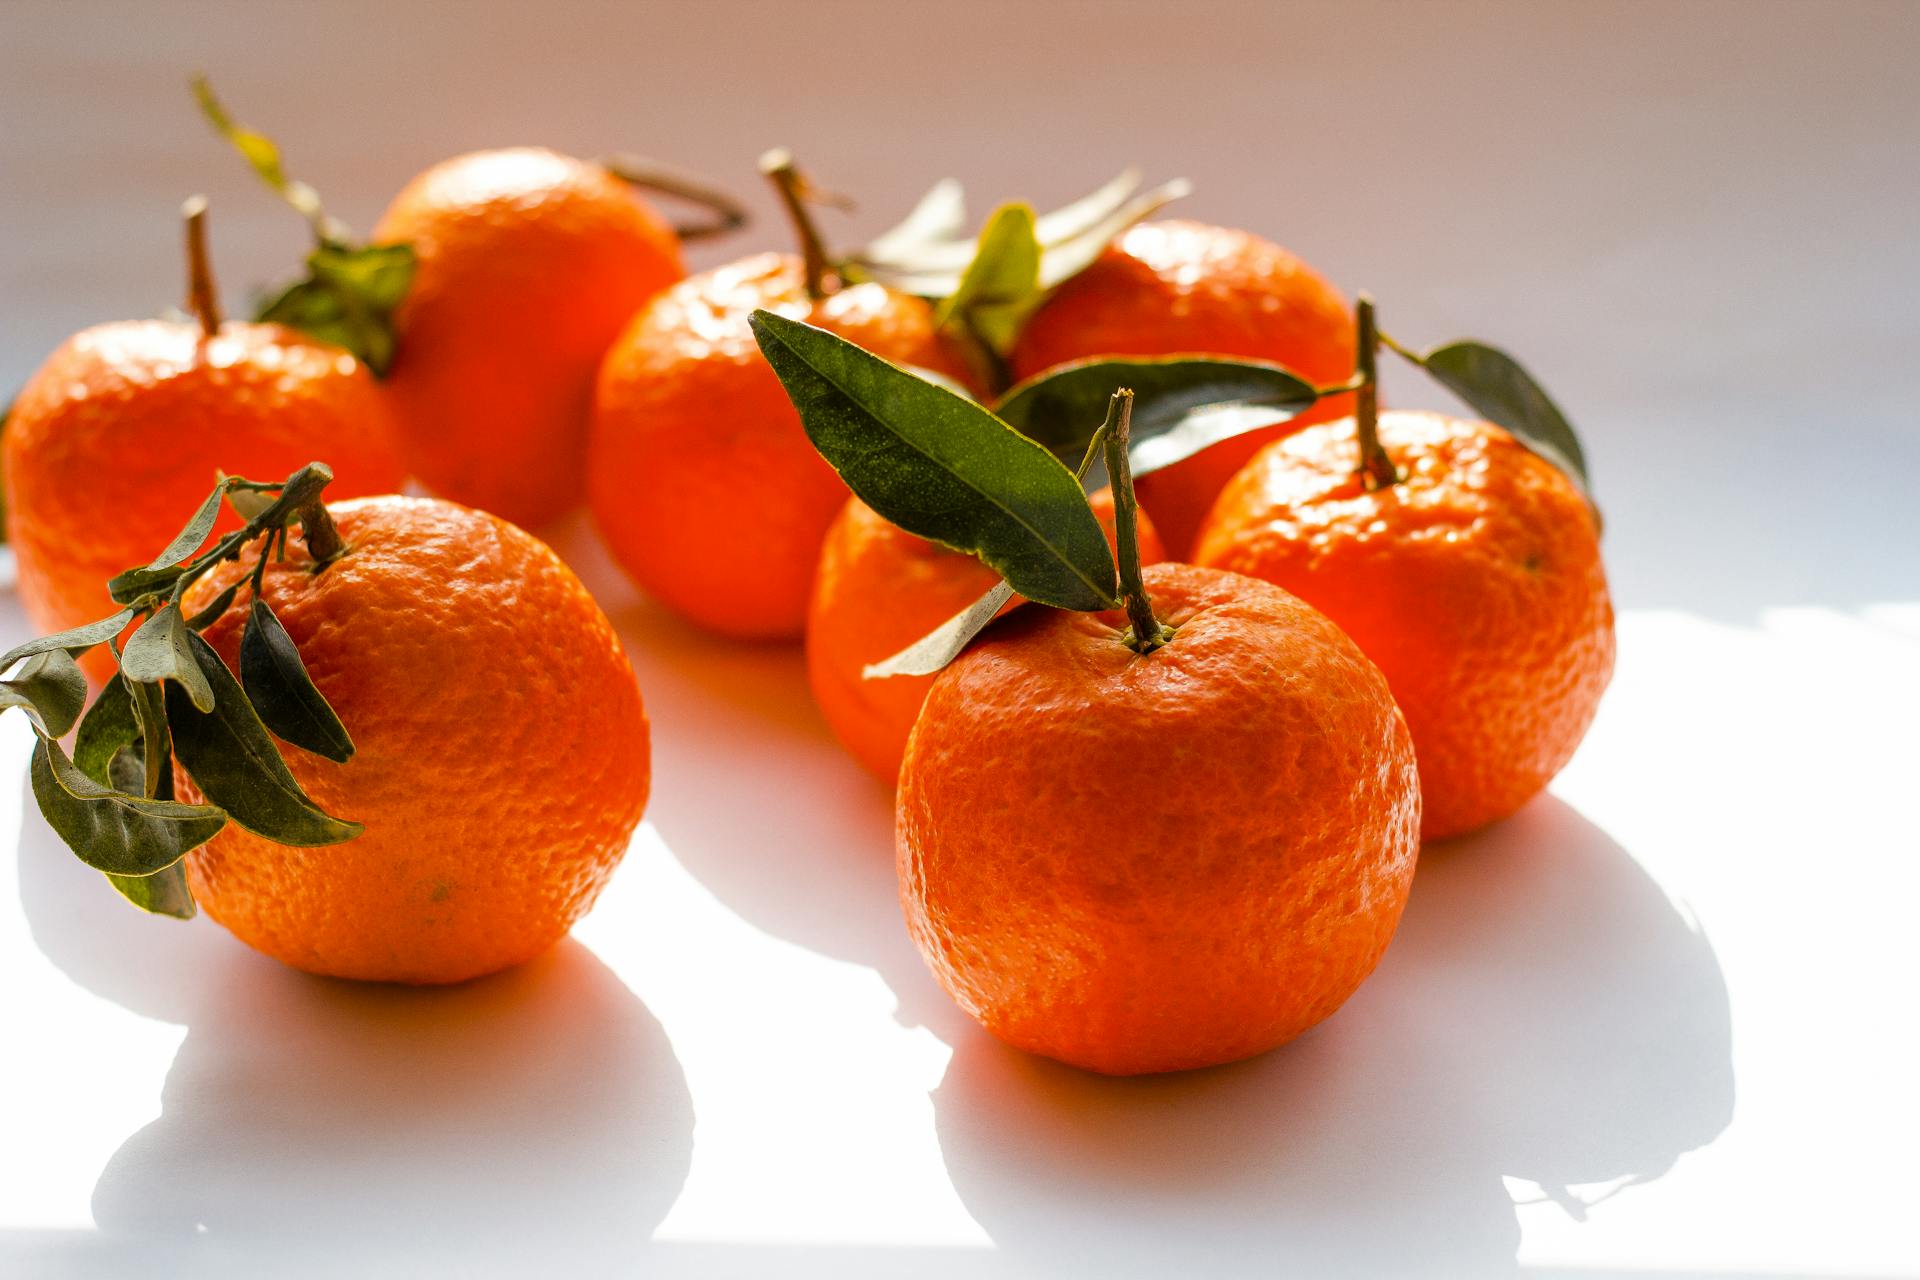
x=1696 y=222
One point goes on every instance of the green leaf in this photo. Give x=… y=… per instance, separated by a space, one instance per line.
x=164 y=569
x=940 y=215
x=262 y=155
x=348 y=299
x=156 y=741
x=1181 y=405
x=160 y=650
x=219 y=605
x=112 y=831
x=944 y=643
x=49 y=688
x=1070 y=238
x=1504 y=393
x=941 y=466
x=249 y=504
x=75 y=641
x=282 y=692
x=1001 y=286
x=164 y=893
x=233 y=760
x=109 y=727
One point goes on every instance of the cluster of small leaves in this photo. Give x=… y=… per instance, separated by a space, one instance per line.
x=351 y=290
x=987 y=285
x=174 y=699
x=995 y=482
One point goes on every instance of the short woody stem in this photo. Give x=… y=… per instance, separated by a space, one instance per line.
x=778 y=166
x=201 y=300
x=1376 y=468
x=1148 y=634
x=302 y=496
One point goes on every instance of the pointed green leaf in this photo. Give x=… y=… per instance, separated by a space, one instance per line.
x=1181 y=405
x=249 y=504
x=109 y=727
x=164 y=893
x=156 y=739
x=940 y=466
x=164 y=569
x=348 y=299
x=75 y=641
x=282 y=692
x=233 y=760
x=1001 y=286
x=159 y=650
x=218 y=605
x=50 y=688
x=262 y=155
x=1071 y=238
x=1504 y=393
x=113 y=831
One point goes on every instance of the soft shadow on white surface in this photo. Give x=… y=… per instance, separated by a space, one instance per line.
x=755 y=797
x=313 y=1123
x=1544 y=1014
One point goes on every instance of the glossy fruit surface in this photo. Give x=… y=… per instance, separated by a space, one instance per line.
x=502 y=751
x=529 y=264
x=1148 y=863
x=878 y=589
x=702 y=481
x=1475 y=584
x=1187 y=288
x=126 y=428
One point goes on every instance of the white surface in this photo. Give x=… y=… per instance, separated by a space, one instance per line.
x=1660 y=1024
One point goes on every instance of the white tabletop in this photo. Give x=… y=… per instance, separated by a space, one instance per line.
x=1659 y=1024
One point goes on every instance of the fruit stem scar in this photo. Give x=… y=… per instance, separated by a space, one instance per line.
x=724 y=213
x=794 y=191
x=1146 y=634
x=201 y=300
x=1376 y=468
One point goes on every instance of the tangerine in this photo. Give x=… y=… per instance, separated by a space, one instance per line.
x=487 y=835
x=1188 y=288
x=1474 y=582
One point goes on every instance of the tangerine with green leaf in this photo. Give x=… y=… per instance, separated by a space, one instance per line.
x=128 y=424
x=1178 y=287
x=1169 y=822
x=701 y=480
x=500 y=761
x=493 y=285
x=877 y=590
x=1464 y=564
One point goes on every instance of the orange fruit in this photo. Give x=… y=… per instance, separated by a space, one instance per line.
x=1187 y=288
x=125 y=429
x=702 y=480
x=529 y=264
x=1139 y=863
x=487 y=834
x=1475 y=584
x=877 y=590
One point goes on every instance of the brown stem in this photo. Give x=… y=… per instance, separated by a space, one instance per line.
x=1147 y=633
x=201 y=300
x=1376 y=468
x=777 y=164
x=725 y=214
x=302 y=496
